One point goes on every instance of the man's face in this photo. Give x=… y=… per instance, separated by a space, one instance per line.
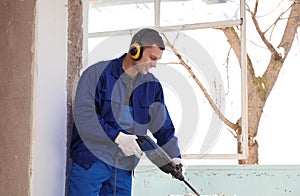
x=150 y=57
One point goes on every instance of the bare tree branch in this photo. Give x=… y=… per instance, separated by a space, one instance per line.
x=233 y=126
x=233 y=39
x=255 y=103
x=259 y=88
x=255 y=8
x=262 y=34
x=271 y=74
x=291 y=28
x=279 y=18
x=227 y=74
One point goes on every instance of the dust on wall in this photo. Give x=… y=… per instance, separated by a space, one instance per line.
x=75 y=47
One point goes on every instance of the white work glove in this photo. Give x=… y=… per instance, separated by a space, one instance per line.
x=178 y=161
x=127 y=143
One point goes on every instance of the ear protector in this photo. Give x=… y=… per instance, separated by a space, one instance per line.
x=136 y=50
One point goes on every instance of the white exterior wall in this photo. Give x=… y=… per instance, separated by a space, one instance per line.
x=50 y=111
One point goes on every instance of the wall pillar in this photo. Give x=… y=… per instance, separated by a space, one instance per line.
x=17 y=30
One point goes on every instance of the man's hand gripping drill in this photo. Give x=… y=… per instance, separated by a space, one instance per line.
x=162 y=160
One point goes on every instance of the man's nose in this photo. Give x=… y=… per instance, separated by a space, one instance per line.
x=153 y=63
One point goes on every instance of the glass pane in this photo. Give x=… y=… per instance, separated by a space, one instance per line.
x=111 y=16
x=197 y=11
x=207 y=52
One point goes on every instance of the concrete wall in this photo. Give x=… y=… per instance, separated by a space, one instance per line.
x=33 y=69
x=234 y=180
x=17 y=27
x=75 y=50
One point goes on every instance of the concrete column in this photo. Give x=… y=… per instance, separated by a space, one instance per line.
x=17 y=54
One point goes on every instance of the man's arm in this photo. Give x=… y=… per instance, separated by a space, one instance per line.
x=165 y=134
x=90 y=125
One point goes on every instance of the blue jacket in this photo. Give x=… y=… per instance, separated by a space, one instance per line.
x=99 y=115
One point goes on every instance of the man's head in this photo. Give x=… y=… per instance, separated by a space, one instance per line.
x=146 y=48
x=143 y=39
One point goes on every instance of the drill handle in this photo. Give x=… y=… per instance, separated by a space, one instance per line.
x=159 y=157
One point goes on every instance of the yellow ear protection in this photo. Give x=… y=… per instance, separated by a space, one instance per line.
x=136 y=47
x=136 y=50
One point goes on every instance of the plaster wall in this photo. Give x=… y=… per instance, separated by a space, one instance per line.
x=16 y=94
x=50 y=109
x=220 y=180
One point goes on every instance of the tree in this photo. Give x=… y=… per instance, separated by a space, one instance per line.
x=259 y=87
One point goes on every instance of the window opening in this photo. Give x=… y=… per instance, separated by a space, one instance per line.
x=112 y=23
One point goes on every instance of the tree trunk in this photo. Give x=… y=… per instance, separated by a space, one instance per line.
x=259 y=88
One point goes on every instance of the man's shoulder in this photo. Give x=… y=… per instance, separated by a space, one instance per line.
x=99 y=66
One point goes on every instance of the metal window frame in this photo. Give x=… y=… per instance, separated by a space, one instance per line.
x=218 y=24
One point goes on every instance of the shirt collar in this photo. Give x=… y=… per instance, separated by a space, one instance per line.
x=117 y=69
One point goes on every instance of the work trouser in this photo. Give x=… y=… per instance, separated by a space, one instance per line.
x=100 y=179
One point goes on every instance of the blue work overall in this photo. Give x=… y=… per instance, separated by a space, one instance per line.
x=97 y=166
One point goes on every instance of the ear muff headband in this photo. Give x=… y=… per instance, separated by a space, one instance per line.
x=136 y=51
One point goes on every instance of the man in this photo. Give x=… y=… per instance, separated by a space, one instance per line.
x=117 y=101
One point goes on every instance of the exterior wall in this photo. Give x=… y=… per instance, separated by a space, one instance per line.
x=17 y=24
x=33 y=69
x=38 y=55
x=50 y=98
x=75 y=50
x=235 y=180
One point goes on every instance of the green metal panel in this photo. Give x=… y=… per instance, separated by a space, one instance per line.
x=234 y=180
